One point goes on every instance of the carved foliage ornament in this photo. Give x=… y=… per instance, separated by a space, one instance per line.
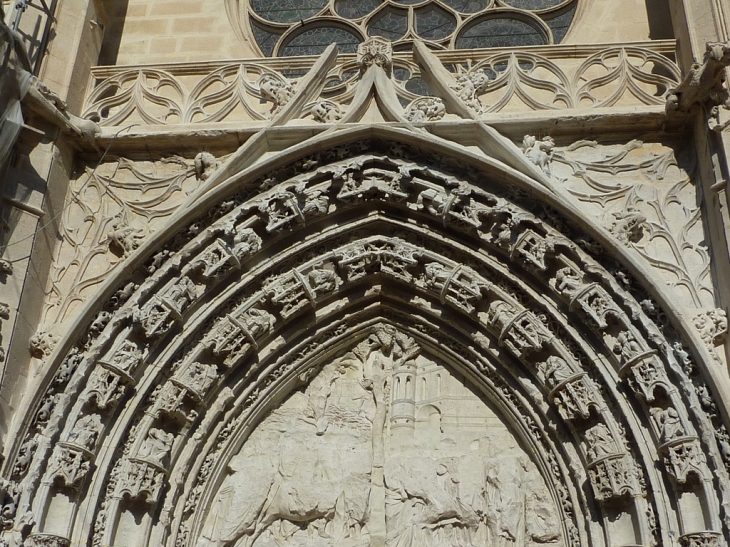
x=518 y=328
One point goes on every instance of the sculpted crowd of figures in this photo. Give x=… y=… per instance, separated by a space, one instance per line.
x=391 y=450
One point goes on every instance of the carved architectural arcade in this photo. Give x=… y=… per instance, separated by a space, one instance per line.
x=378 y=297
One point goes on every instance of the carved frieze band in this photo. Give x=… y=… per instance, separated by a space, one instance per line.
x=603 y=78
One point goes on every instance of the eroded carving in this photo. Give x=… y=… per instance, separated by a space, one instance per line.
x=156 y=447
x=276 y=89
x=704 y=84
x=539 y=152
x=205 y=165
x=427 y=109
x=375 y=52
x=41 y=344
x=712 y=326
x=340 y=477
x=326 y=112
x=469 y=86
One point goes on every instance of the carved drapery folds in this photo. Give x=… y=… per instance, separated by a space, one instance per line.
x=200 y=347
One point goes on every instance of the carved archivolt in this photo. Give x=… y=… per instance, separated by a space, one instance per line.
x=358 y=248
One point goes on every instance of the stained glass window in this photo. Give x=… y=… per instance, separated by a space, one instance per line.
x=287 y=11
x=265 y=39
x=533 y=4
x=389 y=24
x=419 y=86
x=500 y=32
x=434 y=23
x=355 y=9
x=315 y=40
x=306 y=27
x=560 y=23
x=468 y=6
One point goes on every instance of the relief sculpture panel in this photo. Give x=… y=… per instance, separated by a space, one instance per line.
x=383 y=448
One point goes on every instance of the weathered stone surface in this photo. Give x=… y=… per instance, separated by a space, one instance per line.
x=388 y=296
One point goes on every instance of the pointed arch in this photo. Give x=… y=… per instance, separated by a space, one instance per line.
x=216 y=319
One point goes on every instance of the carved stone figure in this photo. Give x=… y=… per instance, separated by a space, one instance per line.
x=627 y=227
x=85 y=431
x=156 y=447
x=322 y=281
x=205 y=165
x=326 y=112
x=245 y=243
x=276 y=89
x=555 y=370
x=600 y=441
x=427 y=109
x=626 y=346
x=668 y=423
x=124 y=237
x=41 y=344
x=469 y=86
x=539 y=152
x=705 y=83
x=315 y=202
x=568 y=282
x=181 y=294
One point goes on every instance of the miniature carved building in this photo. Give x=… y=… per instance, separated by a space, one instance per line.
x=365 y=273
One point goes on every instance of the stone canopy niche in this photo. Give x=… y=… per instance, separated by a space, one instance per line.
x=382 y=447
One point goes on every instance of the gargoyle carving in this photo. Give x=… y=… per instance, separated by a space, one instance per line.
x=704 y=83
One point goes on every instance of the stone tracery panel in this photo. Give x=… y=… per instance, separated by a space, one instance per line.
x=507 y=81
x=517 y=324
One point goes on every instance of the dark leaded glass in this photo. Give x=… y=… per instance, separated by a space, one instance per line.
x=401 y=74
x=354 y=9
x=533 y=4
x=394 y=20
x=500 y=32
x=434 y=23
x=287 y=11
x=265 y=39
x=561 y=23
x=342 y=79
x=314 y=40
x=419 y=86
x=389 y=24
x=467 y=6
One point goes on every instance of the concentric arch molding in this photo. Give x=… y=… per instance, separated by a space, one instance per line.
x=285 y=266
